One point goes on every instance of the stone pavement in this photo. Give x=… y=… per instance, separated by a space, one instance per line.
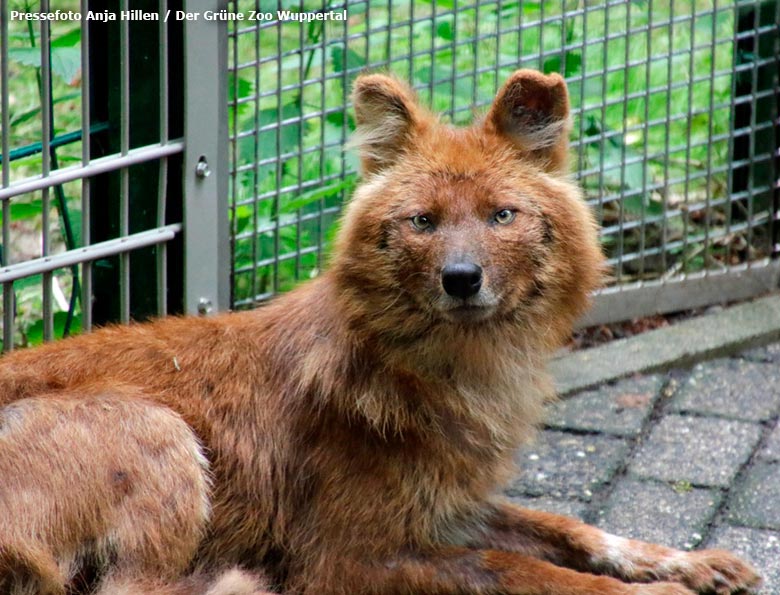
x=689 y=458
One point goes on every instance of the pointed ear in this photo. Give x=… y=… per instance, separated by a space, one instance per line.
x=532 y=111
x=387 y=118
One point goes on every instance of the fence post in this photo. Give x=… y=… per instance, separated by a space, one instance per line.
x=206 y=231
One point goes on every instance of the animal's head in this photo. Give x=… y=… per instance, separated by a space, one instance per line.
x=467 y=226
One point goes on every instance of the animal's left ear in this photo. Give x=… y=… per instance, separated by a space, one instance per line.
x=388 y=119
x=532 y=111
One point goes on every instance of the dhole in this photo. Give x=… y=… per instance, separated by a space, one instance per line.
x=351 y=437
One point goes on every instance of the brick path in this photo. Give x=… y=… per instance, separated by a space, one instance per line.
x=690 y=459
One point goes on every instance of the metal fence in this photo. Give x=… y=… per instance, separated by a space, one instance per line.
x=95 y=167
x=193 y=164
x=675 y=105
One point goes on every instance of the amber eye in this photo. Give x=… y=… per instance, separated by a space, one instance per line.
x=504 y=217
x=422 y=222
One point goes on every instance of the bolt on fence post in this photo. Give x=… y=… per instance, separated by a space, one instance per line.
x=206 y=230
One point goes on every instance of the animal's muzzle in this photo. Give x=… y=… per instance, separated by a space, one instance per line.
x=462 y=280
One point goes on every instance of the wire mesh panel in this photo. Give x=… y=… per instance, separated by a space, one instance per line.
x=88 y=153
x=675 y=109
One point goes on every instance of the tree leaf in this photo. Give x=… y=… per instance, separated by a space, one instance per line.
x=444 y=30
x=348 y=61
x=24 y=210
x=66 y=63
x=67 y=40
x=318 y=194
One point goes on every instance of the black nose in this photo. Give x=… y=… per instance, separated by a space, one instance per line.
x=462 y=280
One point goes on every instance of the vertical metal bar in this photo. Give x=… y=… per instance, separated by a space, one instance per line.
x=124 y=174
x=454 y=70
x=497 y=56
x=234 y=157
x=8 y=288
x=299 y=169
x=563 y=41
x=774 y=163
x=86 y=267
x=162 y=193
x=343 y=168
x=710 y=127
x=730 y=172
x=581 y=147
x=411 y=42
x=48 y=313
x=323 y=105
x=665 y=191
x=754 y=87
x=645 y=147
x=432 y=77
x=475 y=46
x=621 y=208
x=255 y=167
x=541 y=36
x=602 y=128
x=366 y=33
x=275 y=213
x=4 y=99
x=206 y=243
x=520 y=38
x=688 y=135
x=389 y=40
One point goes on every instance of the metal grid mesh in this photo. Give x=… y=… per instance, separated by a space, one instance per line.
x=656 y=89
x=53 y=147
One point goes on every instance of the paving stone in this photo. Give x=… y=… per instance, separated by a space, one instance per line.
x=703 y=451
x=676 y=516
x=771 y=450
x=733 y=388
x=757 y=546
x=570 y=508
x=770 y=353
x=703 y=337
x=567 y=465
x=619 y=409
x=756 y=502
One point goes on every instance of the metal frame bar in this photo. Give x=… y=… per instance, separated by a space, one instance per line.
x=123 y=245
x=46 y=134
x=206 y=173
x=634 y=300
x=94 y=167
x=8 y=288
x=86 y=267
x=124 y=173
x=162 y=188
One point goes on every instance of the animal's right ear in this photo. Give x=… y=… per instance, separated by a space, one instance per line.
x=532 y=111
x=387 y=118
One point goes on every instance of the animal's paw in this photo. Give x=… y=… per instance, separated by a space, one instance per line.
x=712 y=571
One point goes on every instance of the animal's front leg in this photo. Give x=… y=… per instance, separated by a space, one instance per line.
x=576 y=545
x=461 y=571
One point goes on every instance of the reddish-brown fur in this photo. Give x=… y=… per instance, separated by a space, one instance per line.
x=357 y=429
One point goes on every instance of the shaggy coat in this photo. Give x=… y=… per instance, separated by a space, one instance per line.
x=353 y=435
